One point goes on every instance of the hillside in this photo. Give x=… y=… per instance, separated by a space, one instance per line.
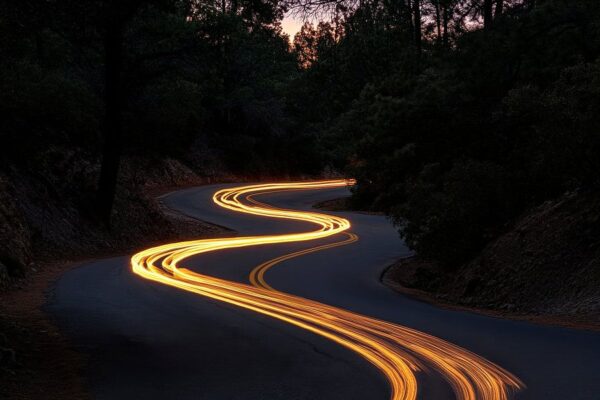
x=547 y=264
x=46 y=212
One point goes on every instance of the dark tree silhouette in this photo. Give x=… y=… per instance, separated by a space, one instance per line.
x=117 y=16
x=422 y=101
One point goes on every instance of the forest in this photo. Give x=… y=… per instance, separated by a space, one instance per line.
x=455 y=117
x=460 y=140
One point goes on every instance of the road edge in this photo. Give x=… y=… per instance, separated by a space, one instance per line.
x=432 y=299
x=40 y=361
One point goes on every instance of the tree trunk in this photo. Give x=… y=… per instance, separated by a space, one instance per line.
x=407 y=13
x=438 y=22
x=499 y=8
x=445 y=19
x=487 y=13
x=417 y=24
x=111 y=154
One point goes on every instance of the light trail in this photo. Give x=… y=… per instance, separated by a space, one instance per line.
x=397 y=351
x=257 y=275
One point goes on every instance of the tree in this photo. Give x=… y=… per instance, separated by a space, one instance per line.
x=491 y=123
x=312 y=44
x=417 y=25
x=117 y=15
x=488 y=14
x=499 y=8
x=305 y=45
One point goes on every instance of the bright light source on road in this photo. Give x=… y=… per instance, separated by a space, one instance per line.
x=397 y=351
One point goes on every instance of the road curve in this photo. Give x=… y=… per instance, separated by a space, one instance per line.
x=414 y=362
x=398 y=352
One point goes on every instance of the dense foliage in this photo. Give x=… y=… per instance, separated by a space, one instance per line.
x=454 y=116
x=458 y=134
x=210 y=75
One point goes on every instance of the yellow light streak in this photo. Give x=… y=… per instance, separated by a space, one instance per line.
x=398 y=352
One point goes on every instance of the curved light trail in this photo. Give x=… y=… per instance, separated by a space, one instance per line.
x=397 y=351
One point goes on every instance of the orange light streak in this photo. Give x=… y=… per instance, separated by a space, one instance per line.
x=397 y=351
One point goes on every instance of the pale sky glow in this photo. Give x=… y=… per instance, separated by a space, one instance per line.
x=291 y=24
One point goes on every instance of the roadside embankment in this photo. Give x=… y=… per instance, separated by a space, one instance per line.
x=46 y=227
x=545 y=267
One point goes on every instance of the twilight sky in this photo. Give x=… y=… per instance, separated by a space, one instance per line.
x=291 y=25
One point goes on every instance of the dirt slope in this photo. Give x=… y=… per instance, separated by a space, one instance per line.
x=547 y=264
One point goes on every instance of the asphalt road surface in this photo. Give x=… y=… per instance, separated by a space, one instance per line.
x=152 y=341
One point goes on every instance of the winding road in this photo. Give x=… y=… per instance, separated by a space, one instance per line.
x=292 y=308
